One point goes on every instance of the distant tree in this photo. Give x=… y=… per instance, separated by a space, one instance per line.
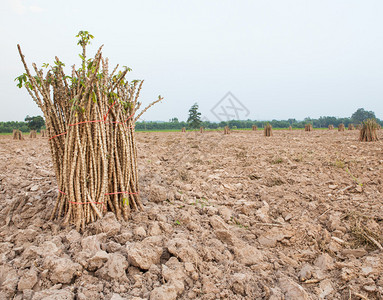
x=307 y=120
x=35 y=123
x=360 y=115
x=174 y=120
x=194 y=120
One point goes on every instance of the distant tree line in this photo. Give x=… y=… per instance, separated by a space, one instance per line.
x=359 y=116
x=323 y=122
x=7 y=127
x=31 y=123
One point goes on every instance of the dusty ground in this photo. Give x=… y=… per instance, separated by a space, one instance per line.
x=294 y=216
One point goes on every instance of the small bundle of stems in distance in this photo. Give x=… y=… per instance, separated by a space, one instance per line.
x=368 y=132
x=32 y=134
x=341 y=127
x=90 y=118
x=268 y=131
x=17 y=134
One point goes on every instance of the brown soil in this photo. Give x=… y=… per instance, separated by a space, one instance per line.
x=237 y=216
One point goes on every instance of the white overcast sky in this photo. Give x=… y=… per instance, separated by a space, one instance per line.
x=281 y=58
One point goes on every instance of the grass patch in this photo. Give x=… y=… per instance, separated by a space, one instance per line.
x=276 y=161
x=339 y=164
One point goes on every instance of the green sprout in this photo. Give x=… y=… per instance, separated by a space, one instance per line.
x=22 y=79
x=85 y=38
x=353 y=177
x=125 y=201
